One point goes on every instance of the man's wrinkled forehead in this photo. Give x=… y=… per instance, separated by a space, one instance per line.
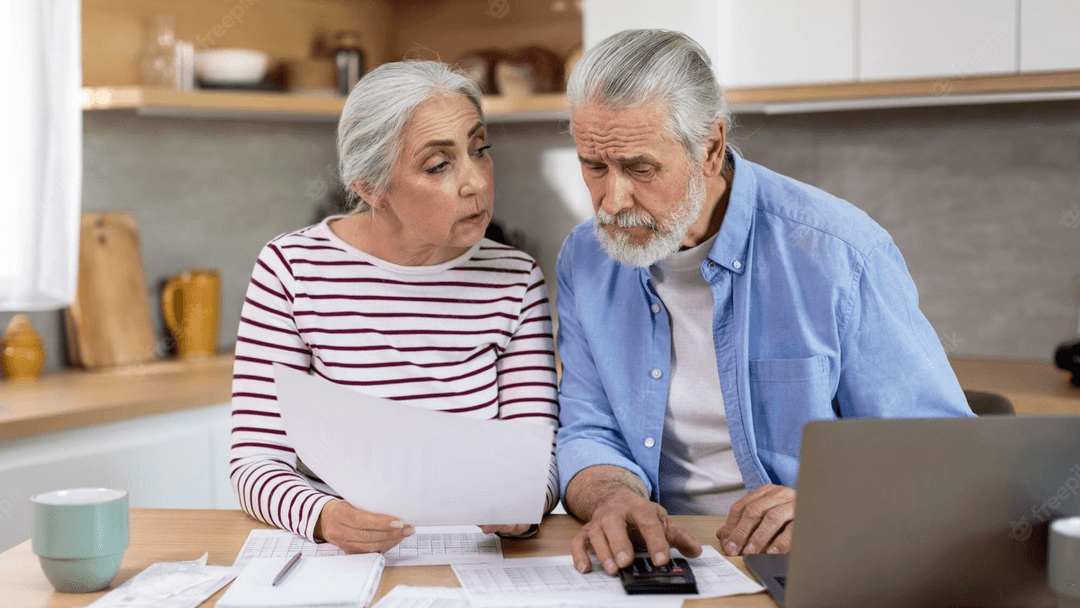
x=618 y=133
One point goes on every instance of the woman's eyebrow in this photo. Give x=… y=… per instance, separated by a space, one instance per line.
x=448 y=143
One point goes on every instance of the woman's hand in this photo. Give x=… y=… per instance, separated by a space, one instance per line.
x=355 y=531
x=508 y=530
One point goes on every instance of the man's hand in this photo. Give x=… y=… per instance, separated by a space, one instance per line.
x=621 y=517
x=355 y=531
x=509 y=530
x=761 y=521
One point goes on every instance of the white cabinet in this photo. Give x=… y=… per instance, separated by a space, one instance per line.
x=935 y=38
x=696 y=18
x=176 y=461
x=784 y=42
x=1049 y=35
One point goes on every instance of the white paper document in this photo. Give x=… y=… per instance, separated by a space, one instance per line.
x=169 y=585
x=404 y=596
x=341 y=580
x=430 y=546
x=427 y=468
x=518 y=582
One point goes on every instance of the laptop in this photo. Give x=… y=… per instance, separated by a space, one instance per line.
x=926 y=512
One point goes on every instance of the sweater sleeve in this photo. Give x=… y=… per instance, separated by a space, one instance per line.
x=527 y=382
x=262 y=465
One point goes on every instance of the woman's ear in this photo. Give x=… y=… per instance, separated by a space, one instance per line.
x=367 y=194
x=716 y=149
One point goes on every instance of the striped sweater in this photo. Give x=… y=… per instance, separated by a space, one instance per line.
x=471 y=336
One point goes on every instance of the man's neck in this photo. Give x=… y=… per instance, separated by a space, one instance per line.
x=712 y=214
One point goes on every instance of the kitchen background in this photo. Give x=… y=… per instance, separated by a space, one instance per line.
x=982 y=199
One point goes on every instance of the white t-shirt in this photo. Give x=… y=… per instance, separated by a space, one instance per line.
x=698 y=472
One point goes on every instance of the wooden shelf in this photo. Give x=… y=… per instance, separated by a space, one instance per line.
x=287 y=106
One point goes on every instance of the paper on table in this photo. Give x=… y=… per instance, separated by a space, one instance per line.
x=169 y=585
x=521 y=581
x=425 y=467
x=404 y=596
x=341 y=580
x=430 y=546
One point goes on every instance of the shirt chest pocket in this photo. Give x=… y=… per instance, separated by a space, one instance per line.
x=785 y=394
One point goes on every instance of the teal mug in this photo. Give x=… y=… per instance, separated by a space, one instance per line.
x=80 y=536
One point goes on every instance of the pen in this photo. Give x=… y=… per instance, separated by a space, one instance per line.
x=285 y=569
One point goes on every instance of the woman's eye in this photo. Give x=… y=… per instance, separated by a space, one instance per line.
x=438 y=168
x=481 y=151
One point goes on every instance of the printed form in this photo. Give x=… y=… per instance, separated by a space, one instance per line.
x=404 y=596
x=521 y=581
x=430 y=546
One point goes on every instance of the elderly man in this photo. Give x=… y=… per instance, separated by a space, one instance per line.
x=709 y=311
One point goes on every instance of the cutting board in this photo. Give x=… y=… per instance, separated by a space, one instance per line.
x=109 y=322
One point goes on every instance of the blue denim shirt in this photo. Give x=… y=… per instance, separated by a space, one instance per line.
x=815 y=317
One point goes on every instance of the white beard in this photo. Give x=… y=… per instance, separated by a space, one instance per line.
x=663 y=241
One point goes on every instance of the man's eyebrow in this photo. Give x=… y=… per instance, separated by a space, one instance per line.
x=630 y=160
x=479 y=125
x=589 y=161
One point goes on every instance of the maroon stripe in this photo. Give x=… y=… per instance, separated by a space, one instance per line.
x=536 y=303
x=255 y=444
x=490 y=248
x=521 y=384
x=535 y=285
x=403 y=315
x=291 y=332
x=256 y=283
x=526 y=260
x=443 y=395
x=255 y=413
x=288 y=296
x=407 y=299
x=528 y=369
x=530 y=399
x=406 y=363
x=291 y=349
x=549 y=353
x=409 y=283
x=258 y=498
x=399 y=332
x=486 y=269
x=532 y=415
x=410 y=349
x=529 y=336
x=281 y=257
x=412 y=380
x=332 y=262
x=271 y=363
x=304 y=513
x=312 y=247
x=254 y=396
x=250 y=377
x=471 y=407
x=244 y=493
x=536 y=320
x=267 y=308
x=257 y=429
x=288 y=512
x=276 y=505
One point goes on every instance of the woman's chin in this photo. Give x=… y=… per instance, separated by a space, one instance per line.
x=472 y=229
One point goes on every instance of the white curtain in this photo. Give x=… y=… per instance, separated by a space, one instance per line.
x=40 y=152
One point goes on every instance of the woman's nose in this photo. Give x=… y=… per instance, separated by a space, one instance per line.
x=474 y=181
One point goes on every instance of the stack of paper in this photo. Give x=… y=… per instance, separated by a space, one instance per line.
x=451 y=597
x=342 y=580
x=429 y=546
x=169 y=585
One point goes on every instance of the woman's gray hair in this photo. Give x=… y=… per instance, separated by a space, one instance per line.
x=638 y=67
x=376 y=113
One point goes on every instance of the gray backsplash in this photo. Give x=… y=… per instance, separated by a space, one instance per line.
x=975 y=197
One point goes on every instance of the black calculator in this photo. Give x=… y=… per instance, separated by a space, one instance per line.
x=643 y=576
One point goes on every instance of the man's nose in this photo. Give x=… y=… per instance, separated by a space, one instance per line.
x=618 y=194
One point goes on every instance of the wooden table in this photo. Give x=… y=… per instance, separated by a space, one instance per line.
x=163 y=535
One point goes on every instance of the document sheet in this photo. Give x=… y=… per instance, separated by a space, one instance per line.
x=520 y=581
x=169 y=585
x=430 y=546
x=404 y=596
x=427 y=468
x=340 y=580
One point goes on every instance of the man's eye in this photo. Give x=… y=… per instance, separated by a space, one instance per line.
x=479 y=153
x=641 y=171
x=597 y=168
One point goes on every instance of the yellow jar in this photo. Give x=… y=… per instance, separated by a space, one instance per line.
x=23 y=355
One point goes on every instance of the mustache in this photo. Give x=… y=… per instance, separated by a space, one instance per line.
x=626 y=219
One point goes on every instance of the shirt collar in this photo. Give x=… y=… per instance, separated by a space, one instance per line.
x=733 y=241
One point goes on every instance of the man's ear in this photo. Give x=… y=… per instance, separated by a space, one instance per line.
x=716 y=149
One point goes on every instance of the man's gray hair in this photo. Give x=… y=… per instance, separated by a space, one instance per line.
x=638 y=67
x=376 y=113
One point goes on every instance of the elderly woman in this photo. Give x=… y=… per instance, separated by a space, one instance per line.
x=402 y=299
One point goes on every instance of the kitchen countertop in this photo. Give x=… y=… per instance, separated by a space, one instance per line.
x=74 y=399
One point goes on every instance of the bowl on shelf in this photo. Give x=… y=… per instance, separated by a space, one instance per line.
x=231 y=66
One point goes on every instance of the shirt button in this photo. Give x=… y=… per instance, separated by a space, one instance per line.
x=736 y=265
x=656 y=308
x=657 y=373
x=712 y=264
x=649 y=442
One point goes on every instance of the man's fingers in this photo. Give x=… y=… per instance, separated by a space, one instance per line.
x=782 y=543
x=618 y=539
x=751 y=518
x=600 y=547
x=580 y=553
x=681 y=539
x=734 y=514
x=653 y=534
x=770 y=526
